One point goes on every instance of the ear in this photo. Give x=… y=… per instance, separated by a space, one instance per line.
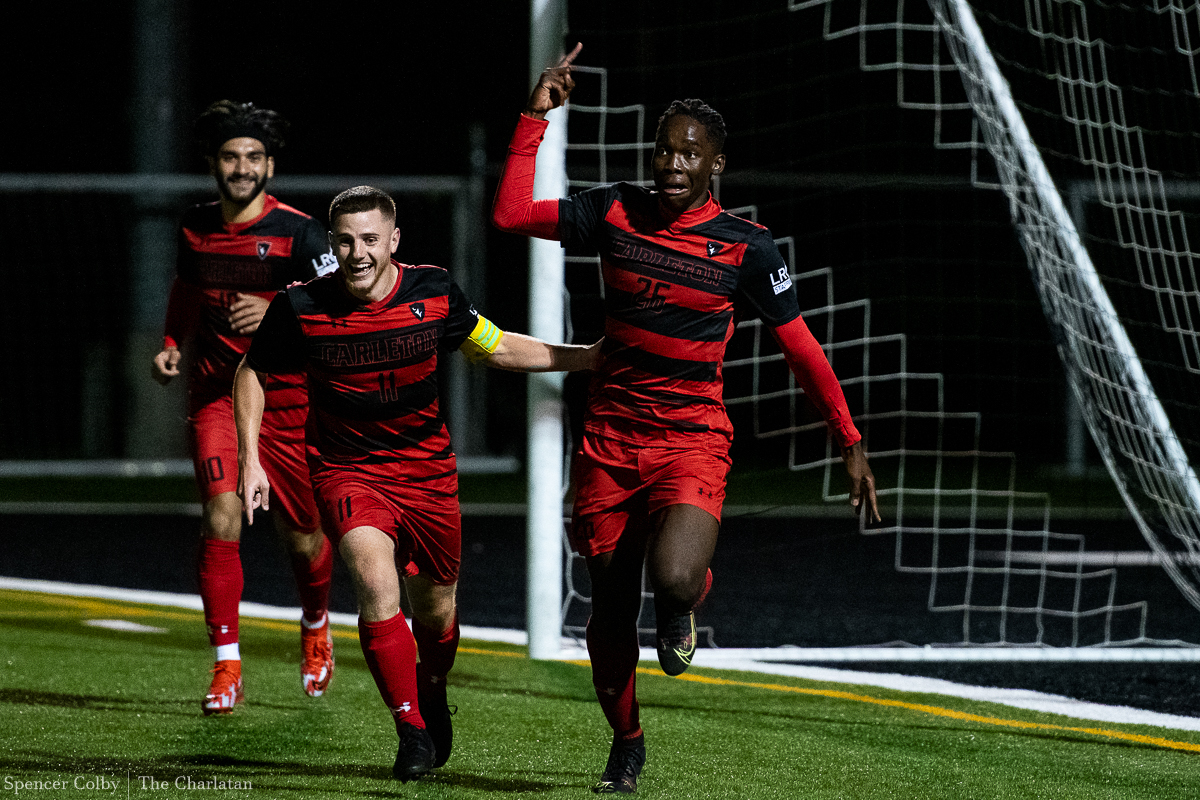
x=270 y=166
x=395 y=238
x=718 y=164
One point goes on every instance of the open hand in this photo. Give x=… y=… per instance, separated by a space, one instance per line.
x=862 y=482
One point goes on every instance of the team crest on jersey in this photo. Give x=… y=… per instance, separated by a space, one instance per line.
x=714 y=248
x=418 y=310
x=263 y=249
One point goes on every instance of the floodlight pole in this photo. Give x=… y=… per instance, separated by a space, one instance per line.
x=544 y=458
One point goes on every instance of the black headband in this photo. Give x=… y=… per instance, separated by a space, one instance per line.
x=234 y=130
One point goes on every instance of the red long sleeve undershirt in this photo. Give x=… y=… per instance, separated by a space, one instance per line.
x=515 y=211
x=183 y=312
x=808 y=363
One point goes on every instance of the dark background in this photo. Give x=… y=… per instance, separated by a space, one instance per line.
x=395 y=88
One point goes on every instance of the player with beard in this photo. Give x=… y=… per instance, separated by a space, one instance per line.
x=369 y=338
x=650 y=473
x=233 y=255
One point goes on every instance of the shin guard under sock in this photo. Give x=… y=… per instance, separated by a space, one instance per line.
x=312 y=581
x=219 y=574
x=614 y=664
x=391 y=655
x=437 y=651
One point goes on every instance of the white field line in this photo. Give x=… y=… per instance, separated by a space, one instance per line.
x=724 y=658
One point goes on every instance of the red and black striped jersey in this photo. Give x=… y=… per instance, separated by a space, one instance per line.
x=371 y=368
x=217 y=260
x=670 y=290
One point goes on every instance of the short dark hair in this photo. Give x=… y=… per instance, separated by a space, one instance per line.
x=360 y=199
x=228 y=119
x=706 y=115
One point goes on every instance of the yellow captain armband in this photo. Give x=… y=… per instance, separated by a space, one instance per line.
x=483 y=341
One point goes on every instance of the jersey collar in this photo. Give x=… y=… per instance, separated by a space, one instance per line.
x=269 y=205
x=690 y=219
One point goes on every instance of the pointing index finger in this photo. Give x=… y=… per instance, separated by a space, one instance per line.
x=569 y=58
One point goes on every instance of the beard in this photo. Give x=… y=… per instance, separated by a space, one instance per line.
x=228 y=192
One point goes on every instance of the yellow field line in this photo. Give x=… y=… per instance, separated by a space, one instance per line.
x=936 y=711
x=92 y=606
x=74 y=607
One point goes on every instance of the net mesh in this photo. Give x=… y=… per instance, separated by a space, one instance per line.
x=996 y=564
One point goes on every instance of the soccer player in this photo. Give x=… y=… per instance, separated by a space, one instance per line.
x=650 y=472
x=233 y=255
x=368 y=338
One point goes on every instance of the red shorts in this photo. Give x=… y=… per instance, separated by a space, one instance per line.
x=619 y=485
x=421 y=515
x=281 y=449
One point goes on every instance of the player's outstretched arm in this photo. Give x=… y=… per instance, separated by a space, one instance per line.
x=553 y=87
x=249 y=397
x=520 y=353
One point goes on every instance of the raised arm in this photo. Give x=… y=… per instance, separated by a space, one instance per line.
x=249 y=396
x=808 y=363
x=514 y=209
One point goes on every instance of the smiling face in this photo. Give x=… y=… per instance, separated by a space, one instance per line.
x=685 y=159
x=363 y=243
x=241 y=167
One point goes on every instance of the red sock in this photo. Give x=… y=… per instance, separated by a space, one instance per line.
x=437 y=651
x=614 y=665
x=312 y=581
x=704 y=592
x=391 y=656
x=219 y=572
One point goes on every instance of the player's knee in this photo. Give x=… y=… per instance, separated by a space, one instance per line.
x=676 y=584
x=303 y=545
x=222 y=520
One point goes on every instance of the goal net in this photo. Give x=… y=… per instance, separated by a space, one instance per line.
x=872 y=138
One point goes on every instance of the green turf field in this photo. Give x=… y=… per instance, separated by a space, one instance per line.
x=109 y=713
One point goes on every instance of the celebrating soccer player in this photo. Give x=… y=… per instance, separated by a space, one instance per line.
x=650 y=474
x=233 y=255
x=368 y=339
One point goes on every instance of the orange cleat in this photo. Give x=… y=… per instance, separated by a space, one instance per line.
x=226 y=690
x=316 y=652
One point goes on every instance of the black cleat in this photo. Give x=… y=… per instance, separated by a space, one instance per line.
x=625 y=762
x=437 y=712
x=415 y=755
x=676 y=643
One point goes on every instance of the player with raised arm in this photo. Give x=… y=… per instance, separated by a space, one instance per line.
x=233 y=255
x=650 y=472
x=368 y=338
